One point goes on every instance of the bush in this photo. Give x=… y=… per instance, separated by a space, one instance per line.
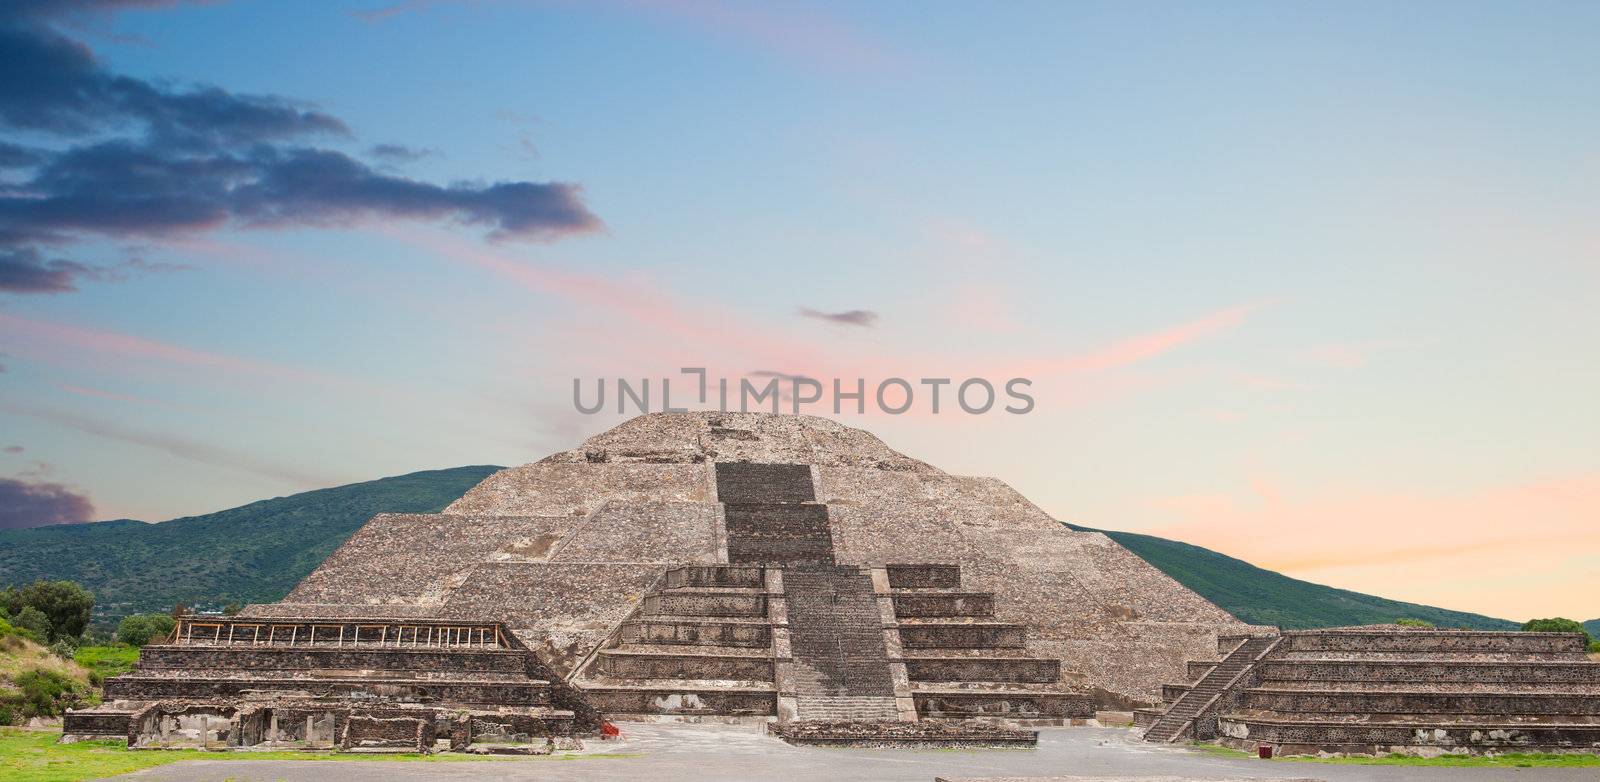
x=1413 y=623
x=34 y=622
x=1594 y=647
x=140 y=629
x=64 y=648
x=42 y=692
x=1556 y=625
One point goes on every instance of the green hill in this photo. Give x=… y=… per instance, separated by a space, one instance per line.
x=253 y=553
x=1261 y=596
x=258 y=552
x=1593 y=626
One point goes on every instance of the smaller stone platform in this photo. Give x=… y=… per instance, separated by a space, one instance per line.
x=914 y=735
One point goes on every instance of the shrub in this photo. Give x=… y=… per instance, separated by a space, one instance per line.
x=1413 y=623
x=1556 y=625
x=41 y=692
x=34 y=622
x=140 y=629
x=64 y=648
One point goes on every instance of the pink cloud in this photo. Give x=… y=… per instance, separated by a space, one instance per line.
x=174 y=445
x=44 y=340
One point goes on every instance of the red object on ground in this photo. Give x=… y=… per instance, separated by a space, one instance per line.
x=1264 y=751
x=609 y=731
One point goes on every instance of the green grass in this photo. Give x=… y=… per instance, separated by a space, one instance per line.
x=34 y=756
x=1261 y=596
x=251 y=554
x=1507 y=760
x=108 y=661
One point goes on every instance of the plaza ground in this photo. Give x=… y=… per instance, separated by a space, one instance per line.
x=731 y=753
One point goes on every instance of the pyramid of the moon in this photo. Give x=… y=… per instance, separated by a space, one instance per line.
x=750 y=564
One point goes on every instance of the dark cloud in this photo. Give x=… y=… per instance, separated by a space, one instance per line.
x=863 y=318
x=145 y=161
x=24 y=271
x=52 y=9
x=397 y=153
x=25 y=504
x=17 y=156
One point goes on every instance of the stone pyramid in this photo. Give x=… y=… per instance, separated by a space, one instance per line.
x=732 y=563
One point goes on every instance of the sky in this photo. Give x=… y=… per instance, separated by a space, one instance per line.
x=1311 y=285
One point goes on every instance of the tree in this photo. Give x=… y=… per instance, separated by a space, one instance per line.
x=1556 y=625
x=140 y=629
x=34 y=621
x=66 y=603
x=232 y=609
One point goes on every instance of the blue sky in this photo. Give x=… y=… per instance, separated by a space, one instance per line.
x=1312 y=285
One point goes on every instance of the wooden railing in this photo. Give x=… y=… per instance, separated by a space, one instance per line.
x=402 y=634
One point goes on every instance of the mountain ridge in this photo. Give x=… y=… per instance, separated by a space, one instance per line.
x=135 y=566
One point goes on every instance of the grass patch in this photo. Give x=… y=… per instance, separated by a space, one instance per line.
x=107 y=661
x=34 y=756
x=1507 y=760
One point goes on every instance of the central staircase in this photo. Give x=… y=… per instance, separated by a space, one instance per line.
x=841 y=668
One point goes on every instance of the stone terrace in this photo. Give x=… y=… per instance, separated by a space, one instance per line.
x=1378 y=690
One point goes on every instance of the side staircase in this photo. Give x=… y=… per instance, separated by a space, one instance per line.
x=1179 y=720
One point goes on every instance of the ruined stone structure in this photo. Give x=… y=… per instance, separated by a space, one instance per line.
x=750 y=565
x=684 y=566
x=1375 y=690
x=347 y=683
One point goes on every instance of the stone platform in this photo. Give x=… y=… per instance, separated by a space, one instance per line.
x=903 y=735
x=1383 y=690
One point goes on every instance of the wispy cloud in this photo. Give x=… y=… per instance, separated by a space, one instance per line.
x=173 y=445
x=46 y=339
x=861 y=318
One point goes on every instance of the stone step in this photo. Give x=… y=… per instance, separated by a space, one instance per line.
x=977 y=669
x=684 y=698
x=698 y=604
x=1013 y=704
x=1421 y=702
x=745 y=482
x=1305 y=736
x=924 y=576
x=625 y=664
x=775 y=534
x=266 y=658
x=846 y=707
x=716 y=576
x=523 y=693
x=962 y=635
x=698 y=632
x=1429 y=671
x=943 y=604
x=1433 y=641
